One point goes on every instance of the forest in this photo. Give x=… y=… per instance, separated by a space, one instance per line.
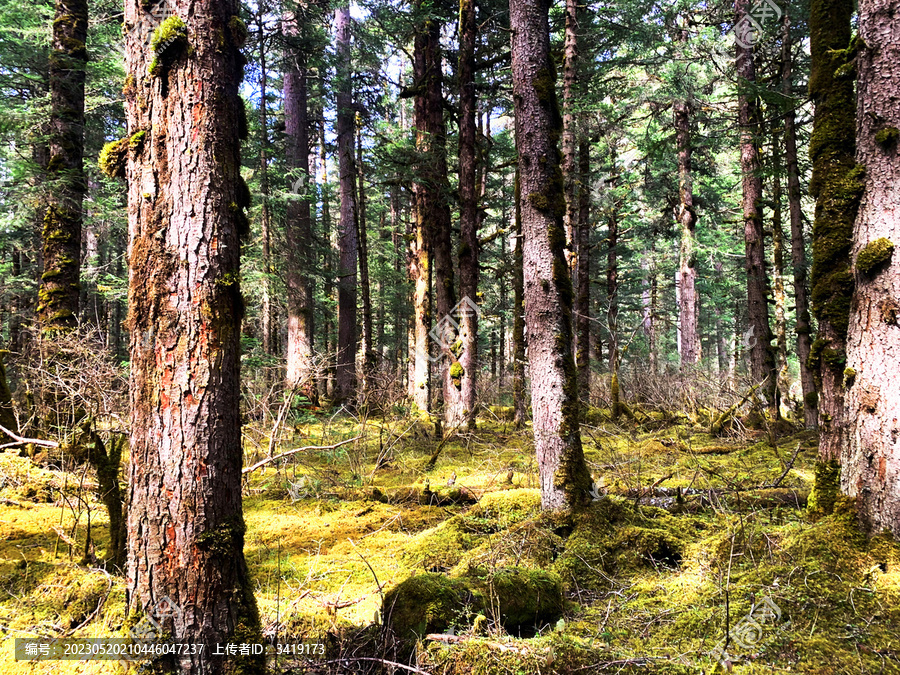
x=449 y=337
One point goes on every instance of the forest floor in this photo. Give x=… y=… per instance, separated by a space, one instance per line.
x=364 y=548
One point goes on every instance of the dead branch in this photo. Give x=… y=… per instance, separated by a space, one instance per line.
x=19 y=440
x=267 y=460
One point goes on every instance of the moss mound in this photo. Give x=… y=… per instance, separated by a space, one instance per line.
x=425 y=603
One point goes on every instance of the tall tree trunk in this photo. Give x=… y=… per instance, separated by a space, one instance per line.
x=762 y=363
x=564 y=476
x=185 y=218
x=803 y=327
x=367 y=347
x=298 y=231
x=583 y=272
x=687 y=218
x=58 y=298
x=327 y=257
x=836 y=188
x=265 y=217
x=570 y=79
x=468 y=214
x=781 y=364
x=432 y=147
x=870 y=463
x=345 y=372
x=612 y=288
x=518 y=334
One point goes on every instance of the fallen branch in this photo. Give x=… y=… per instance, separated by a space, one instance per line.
x=787 y=469
x=717 y=426
x=20 y=440
x=267 y=460
x=356 y=659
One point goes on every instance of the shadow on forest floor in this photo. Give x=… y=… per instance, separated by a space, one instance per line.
x=365 y=549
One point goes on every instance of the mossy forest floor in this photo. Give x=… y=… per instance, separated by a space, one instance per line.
x=648 y=580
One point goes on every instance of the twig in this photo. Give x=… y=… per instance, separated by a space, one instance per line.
x=19 y=439
x=354 y=659
x=265 y=461
x=787 y=469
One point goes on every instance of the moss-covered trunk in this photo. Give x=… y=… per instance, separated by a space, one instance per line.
x=870 y=462
x=836 y=188
x=61 y=233
x=564 y=476
x=7 y=416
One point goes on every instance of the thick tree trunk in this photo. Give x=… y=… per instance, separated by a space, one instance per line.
x=836 y=188
x=58 y=297
x=518 y=335
x=345 y=372
x=798 y=248
x=564 y=476
x=185 y=218
x=468 y=213
x=298 y=234
x=583 y=272
x=687 y=218
x=870 y=464
x=762 y=363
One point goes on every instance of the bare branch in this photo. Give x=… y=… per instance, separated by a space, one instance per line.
x=265 y=461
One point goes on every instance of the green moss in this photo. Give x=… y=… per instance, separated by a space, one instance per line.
x=424 y=603
x=170 y=35
x=456 y=373
x=849 y=376
x=238 y=30
x=136 y=142
x=826 y=488
x=517 y=597
x=874 y=255
x=887 y=137
x=112 y=158
x=225 y=539
x=811 y=399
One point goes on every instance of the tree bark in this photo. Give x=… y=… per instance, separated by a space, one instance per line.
x=327 y=256
x=468 y=213
x=689 y=344
x=836 y=188
x=265 y=217
x=565 y=481
x=570 y=79
x=518 y=334
x=58 y=297
x=298 y=234
x=870 y=463
x=762 y=363
x=798 y=248
x=362 y=238
x=185 y=218
x=345 y=372
x=781 y=364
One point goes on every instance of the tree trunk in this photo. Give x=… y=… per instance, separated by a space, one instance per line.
x=870 y=464
x=468 y=214
x=298 y=235
x=265 y=217
x=798 y=249
x=565 y=481
x=185 y=218
x=345 y=372
x=689 y=350
x=781 y=364
x=58 y=297
x=518 y=334
x=612 y=289
x=836 y=188
x=762 y=363
x=583 y=272
x=366 y=346
x=570 y=78
x=327 y=258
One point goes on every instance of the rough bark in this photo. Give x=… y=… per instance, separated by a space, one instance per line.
x=564 y=476
x=267 y=327
x=583 y=272
x=367 y=347
x=836 y=188
x=689 y=350
x=570 y=79
x=803 y=327
x=762 y=363
x=345 y=371
x=327 y=255
x=298 y=235
x=781 y=364
x=58 y=297
x=185 y=219
x=870 y=463
x=612 y=288
x=468 y=212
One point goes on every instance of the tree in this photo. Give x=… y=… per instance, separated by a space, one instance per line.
x=345 y=373
x=687 y=219
x=870 y=464
x=836 y=188
x=299 y=249
x=762 y=363
x=61 y=233
x=565 y=480
x=186 y=217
